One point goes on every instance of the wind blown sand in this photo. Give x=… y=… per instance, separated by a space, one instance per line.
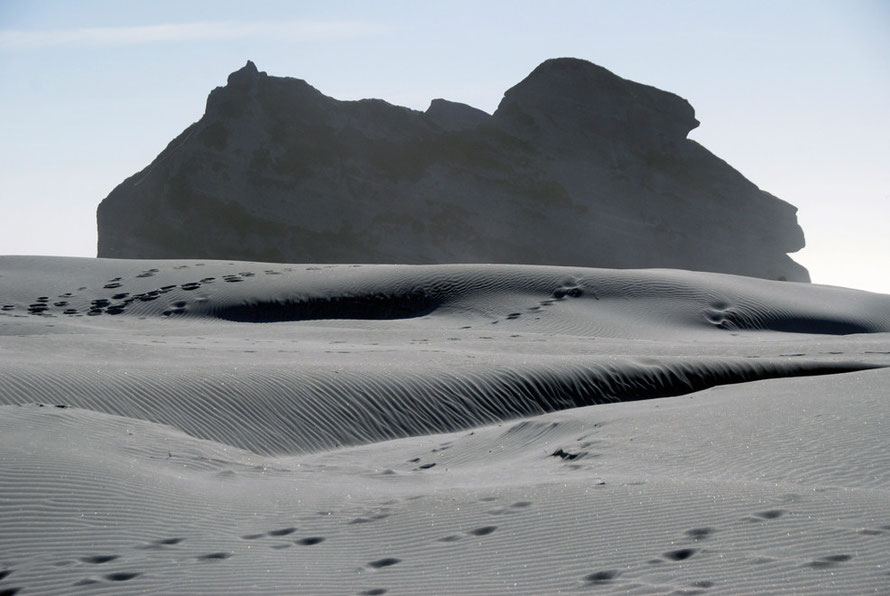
x=206 y=427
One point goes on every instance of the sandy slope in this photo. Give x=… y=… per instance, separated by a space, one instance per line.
x=443 y=429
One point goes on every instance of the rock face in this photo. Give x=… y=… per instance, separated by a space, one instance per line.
x=576 y=167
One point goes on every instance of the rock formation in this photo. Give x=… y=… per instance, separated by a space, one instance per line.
x=576 y=167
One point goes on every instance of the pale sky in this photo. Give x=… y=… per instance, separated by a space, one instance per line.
x=793 y=94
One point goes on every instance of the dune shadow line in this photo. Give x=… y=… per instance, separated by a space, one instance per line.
x=378 y=306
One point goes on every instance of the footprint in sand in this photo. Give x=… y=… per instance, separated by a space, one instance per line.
x=442 y=447
x=874 y=531
x=121 y=576
x=568 y=455
x=98 y=559
x=215 y=556
x=118 y=576
x=89 y=581
x=602 y=577
x=511 y=509
x=680 y=555
x=385 y=562
x=765 y=515
x=162 y=543
x=37 y=309
x=451 y=538
x=369 y=518
x=572 y=291
x=699 y=533
x=481 y=531
x=829 y=561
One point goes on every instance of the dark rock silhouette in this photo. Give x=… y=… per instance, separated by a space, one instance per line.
x=576 y=167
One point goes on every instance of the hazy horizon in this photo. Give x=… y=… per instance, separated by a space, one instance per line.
x=793 y=96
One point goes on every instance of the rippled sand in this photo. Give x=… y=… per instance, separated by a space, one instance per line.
x=214 y=427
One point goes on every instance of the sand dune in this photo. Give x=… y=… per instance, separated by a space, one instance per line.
x=230 y=427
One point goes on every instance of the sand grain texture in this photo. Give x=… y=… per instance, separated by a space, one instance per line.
x=202 y=427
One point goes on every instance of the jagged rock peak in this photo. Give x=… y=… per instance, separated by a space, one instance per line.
x=245 y=74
